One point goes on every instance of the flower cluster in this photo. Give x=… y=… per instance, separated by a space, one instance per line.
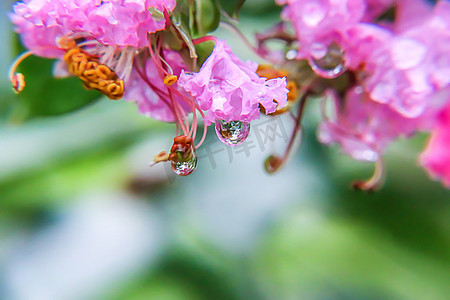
x=398 y=69
x=136 y=50
x=380 y=67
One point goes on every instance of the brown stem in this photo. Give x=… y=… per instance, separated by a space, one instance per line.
x=274 y=163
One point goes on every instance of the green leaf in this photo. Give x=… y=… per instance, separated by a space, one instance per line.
x=198 y=17
x=207 y=16
x=204 y=50
x=231 y=7
x=45 y=95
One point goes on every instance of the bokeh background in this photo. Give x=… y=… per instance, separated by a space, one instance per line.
x=83 y=216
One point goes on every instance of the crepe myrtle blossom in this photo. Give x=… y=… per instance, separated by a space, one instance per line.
x=114 y=47
x=109 y=45
x=320 y=28
x=364 y=129
x=88 y=35
x=397 y=70
x=413 y=65
x=380 y=69
x=41 y=23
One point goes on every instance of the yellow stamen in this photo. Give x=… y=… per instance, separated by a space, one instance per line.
x=103 y=72
x=92 y=65
x=17 y=79
x=293 y=90
x=18 y=82
x=93 y=74
x=68 y=56
x=67 y=43
x=170 y=79
x=79 y=57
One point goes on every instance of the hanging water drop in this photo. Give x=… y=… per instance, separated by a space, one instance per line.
x=232 y=133
x=330 y=65
x=186 y=167
x=183 y=158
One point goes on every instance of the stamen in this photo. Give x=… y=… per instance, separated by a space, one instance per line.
x=176 y=107
x=160 y=157
x=274 y=163
x=67 y=43
x=18 y=82
x=374 y=182
x=17 y=79
x=103 y=72
x=170 y=79
x=205 y=130
x=293 y=90
x=93 y=74
x=170 y=72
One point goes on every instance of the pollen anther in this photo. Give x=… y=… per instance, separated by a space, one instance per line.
x=170 y=79
x=18 y=82
x=93 y=74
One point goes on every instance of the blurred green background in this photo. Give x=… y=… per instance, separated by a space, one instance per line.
x=83 y=216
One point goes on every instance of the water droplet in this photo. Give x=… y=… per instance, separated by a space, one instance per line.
x=291 y=54
x=331 y=65
x=185 y=167
x=232 y=133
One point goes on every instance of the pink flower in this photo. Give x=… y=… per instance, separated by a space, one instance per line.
x=319 y=23
x=436 y=157
x=364 y=128
x=411 y=13
x=362 y=42
x=41 y=23
x=114 y=31
x=126 y=23
x=410 y=67
x=230 y=90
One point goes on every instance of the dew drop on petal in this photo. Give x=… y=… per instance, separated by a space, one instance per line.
x=331 y=65
x=184 y=168
x=232 y=133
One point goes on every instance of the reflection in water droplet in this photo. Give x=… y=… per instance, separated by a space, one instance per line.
x=232 y=133
x=331 y=65
x=185 y=167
